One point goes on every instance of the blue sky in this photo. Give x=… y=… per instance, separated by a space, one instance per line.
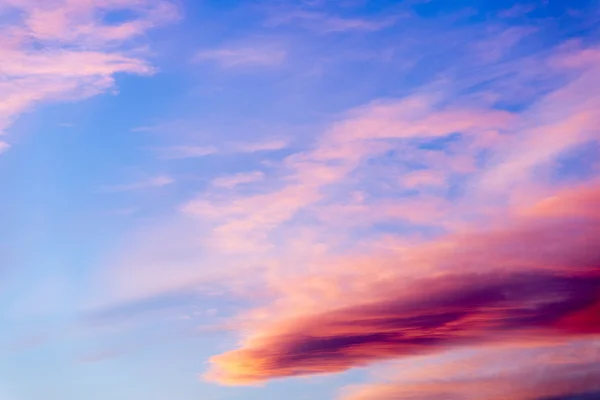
x=194 y=189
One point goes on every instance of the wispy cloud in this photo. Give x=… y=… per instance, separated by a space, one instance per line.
x=399 y=162
x=243 y=56
x=367 y=132
x=78 y=53
x=562 y=370
x=197 y=151
x=517 y=11
x=155 y=182
x=182 y=152
x=230 y=181
x=264 y=145
x=327 y=23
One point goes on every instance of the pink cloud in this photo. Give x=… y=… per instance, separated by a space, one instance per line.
x=81 y=53
x=301 y=230
x=569 y=381
x=423 y=178
x=231 y=181
x=537 y=277
x=365 y=133
x=494 y=373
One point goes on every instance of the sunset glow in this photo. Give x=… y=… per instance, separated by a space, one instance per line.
x=300 y=200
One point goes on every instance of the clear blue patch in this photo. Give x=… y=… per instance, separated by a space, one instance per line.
x=581 y=396
x=580 y=163
x=119 y=17
x=440 y=143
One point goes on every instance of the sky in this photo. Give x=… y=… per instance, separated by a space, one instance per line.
x=301 y=199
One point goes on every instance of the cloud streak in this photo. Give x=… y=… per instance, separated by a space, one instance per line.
x=326 y=23
x=184 y=152
x=569 y=381
x=552 y=371
x=242 y=56
x=231 y=181
x=155 y=182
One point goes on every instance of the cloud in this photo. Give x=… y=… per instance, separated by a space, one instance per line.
x=195 y=151
x=326 y=23
x=155 y=182
x=183 y=152
x=517 y=11
x=538 y=277
x=231 y=181
x=366 y=132
x=554 y=371
x=4 y=146
x=423 y=178
x=318 y=232
x=77 y=52
x=243 y=56
x=266 y=145
x=568 y=382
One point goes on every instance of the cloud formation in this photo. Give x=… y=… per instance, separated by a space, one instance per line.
x=539 y=277
x=430 y=162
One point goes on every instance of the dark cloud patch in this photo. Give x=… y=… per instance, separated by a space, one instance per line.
x=459 y=310
x=578 y=396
